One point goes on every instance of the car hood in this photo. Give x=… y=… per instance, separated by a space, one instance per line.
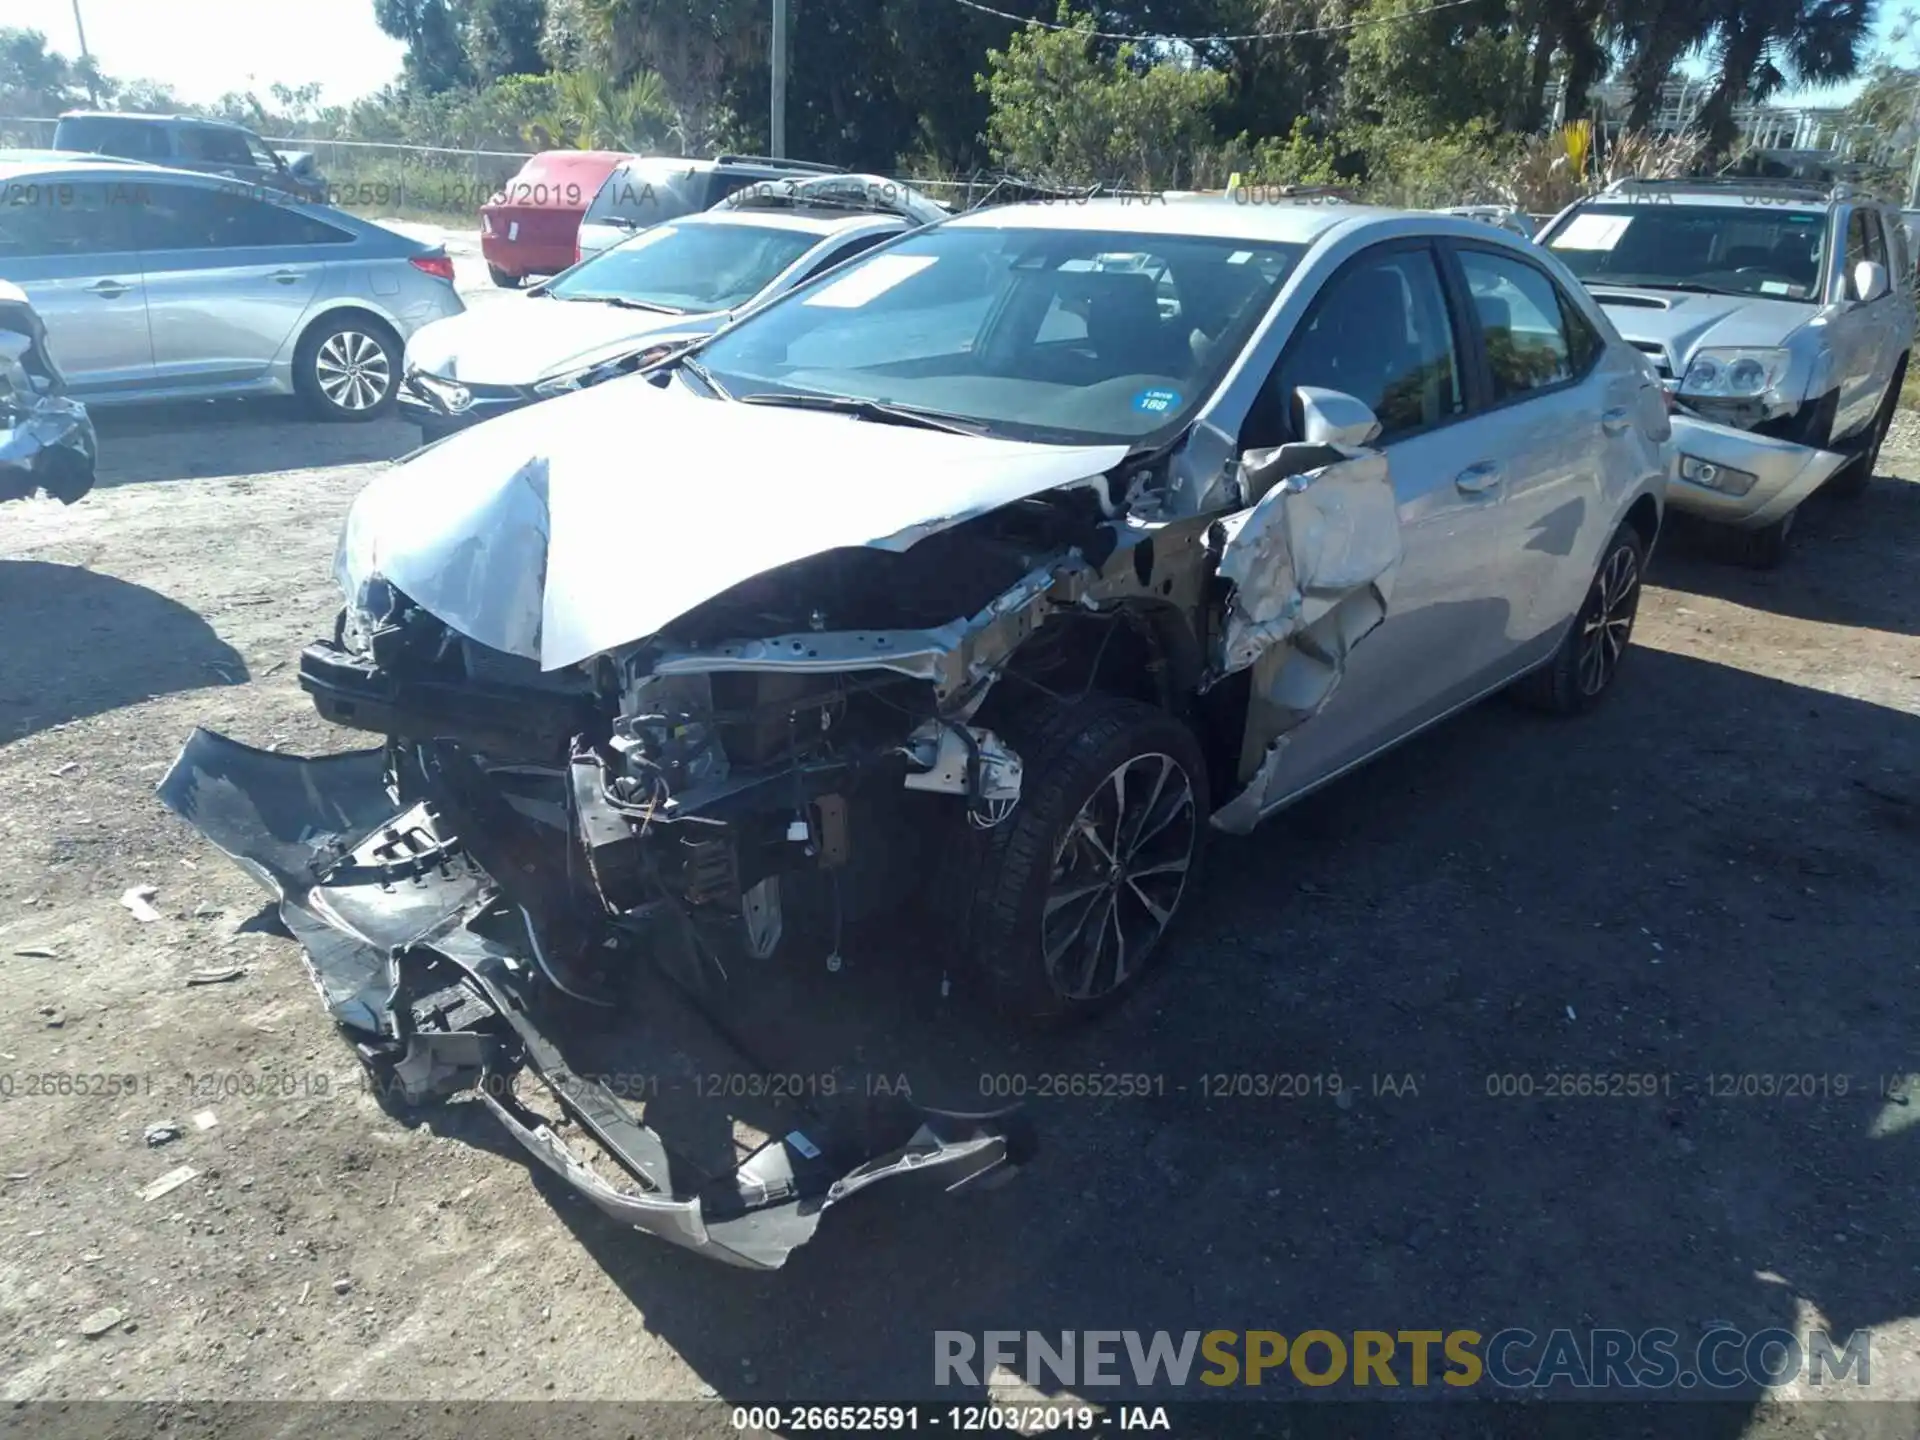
x=1681 y=322
x=516 y=342
x=590 y=521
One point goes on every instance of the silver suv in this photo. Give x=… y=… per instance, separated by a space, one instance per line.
x=1780 y=315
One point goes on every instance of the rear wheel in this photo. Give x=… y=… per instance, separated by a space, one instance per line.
x=1072 y=897
x=348 y=368
x=1582 y=671
x=506 y=280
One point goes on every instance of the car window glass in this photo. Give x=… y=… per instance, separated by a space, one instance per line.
x=1522 y=322
x=1856 y=246
x=104 y=135
x=1380 y=333
x=211 y=146
x=844 y=252
x=690 y=267
x=54 y=218
x=950 y=318
x=644 y=194
x=258 y=153
x=194 y=217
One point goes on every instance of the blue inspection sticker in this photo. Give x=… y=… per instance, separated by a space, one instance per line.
x=1156 y=402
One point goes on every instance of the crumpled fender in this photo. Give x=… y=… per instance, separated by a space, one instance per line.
x=1312 y=566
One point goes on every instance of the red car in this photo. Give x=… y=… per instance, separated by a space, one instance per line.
x=530 y=224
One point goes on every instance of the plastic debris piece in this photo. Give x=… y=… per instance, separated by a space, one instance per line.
x=169 y=1182
x=205 y=1120
x=100 y=1322
x=216 y=977
x=140 y=901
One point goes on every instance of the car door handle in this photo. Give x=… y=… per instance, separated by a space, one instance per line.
x=284 y=277
x=1478 y=479
x=1615 y=421
x=108 y=289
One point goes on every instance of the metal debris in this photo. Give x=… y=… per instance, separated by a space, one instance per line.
x=139 y=900
x=100 y=1322
x=161 y=1131
x=169 y=1182
x=67 y=768
x=36 y=952
x=342 y=1285
x=216 y=977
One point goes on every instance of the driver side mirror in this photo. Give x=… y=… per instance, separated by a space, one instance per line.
x=1869 y=280
x=1333 y=417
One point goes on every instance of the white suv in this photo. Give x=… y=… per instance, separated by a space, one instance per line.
x=1780 y=315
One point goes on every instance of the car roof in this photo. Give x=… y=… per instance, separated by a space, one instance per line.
x=144 y=118
x=1292 y=222
x=84 y=164
x=808 y=222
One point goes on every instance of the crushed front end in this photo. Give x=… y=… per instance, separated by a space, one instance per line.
x=47 y=442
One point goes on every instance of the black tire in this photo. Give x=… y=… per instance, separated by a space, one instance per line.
x=1069 y=752
x=504 y=279
x=347 y=367
x=1762 y=549
x=1857 y=474
x=1570 y=683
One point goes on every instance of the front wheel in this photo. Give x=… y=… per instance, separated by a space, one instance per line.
x=348 y=368
x=1853 y=479
x=1583 y=669
x=1074 y=894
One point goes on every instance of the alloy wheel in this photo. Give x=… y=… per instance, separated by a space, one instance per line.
x=1119 y=873
x=352 y=370
x=1606 y=621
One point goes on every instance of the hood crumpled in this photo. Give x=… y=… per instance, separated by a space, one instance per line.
x=590 y=521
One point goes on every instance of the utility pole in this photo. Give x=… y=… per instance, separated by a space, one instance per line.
x=778 y=126
x=86 y=60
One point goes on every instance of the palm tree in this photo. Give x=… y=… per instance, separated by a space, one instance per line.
x=1761 y=45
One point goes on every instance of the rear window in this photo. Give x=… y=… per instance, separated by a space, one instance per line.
x=645 y=192
x=109 y=135
x=213 y=146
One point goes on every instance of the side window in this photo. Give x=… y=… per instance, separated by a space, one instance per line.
x=193 y=217
x=214 y=146
x=1856 y=250
x=1380 y=332
x=842 y=252
x=1583 y=341
x=1522 y=322
x=60 y=217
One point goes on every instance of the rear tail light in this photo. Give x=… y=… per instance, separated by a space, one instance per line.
x=439 y=266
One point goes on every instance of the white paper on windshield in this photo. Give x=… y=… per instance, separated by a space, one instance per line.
x=1239 y=257
x=1775 y=287
x=876 y=277
x=1591 y=232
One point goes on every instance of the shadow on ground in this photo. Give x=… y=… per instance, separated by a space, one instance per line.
x=81 y=643
x=1503 y=901
x=1831 y=573
x=144 y=444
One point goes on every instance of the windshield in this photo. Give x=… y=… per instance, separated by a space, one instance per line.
x=1070 y=335
x=1745 y=250
x=686 y=268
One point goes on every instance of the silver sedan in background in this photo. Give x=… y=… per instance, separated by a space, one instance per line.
x=160 y=284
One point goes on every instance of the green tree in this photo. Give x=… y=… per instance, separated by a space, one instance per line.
x=435 y=36
x=1064 y=114
x=503 y=38
x=36 y=82
x=692 y=45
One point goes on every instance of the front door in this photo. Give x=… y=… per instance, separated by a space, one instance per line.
x=70 y=245
x=1384 y=331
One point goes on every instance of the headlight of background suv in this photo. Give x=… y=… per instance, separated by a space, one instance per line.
x=1734 y=374
x=601 y=370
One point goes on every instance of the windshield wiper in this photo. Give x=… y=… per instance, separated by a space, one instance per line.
x=703 y=375
x=876 y=410
x=1686 y=285
x=626 y=303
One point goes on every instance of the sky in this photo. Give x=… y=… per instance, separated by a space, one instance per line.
x=204 y=48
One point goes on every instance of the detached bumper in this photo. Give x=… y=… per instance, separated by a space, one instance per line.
x=436 y=977
x=46 y=443
x=1784 y=473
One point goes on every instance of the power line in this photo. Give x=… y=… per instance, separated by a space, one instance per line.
x=1341 y=28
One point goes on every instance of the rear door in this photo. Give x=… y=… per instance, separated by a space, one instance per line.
x=1565 y=429
x=228 y=277
x=1387 y=330
x=70 y=245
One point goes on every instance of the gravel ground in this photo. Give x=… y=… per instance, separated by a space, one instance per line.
x=1711 y=877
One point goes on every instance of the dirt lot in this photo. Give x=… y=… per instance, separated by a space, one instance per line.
x=1710 y=878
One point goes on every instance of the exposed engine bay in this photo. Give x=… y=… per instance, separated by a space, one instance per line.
x=544 y=847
